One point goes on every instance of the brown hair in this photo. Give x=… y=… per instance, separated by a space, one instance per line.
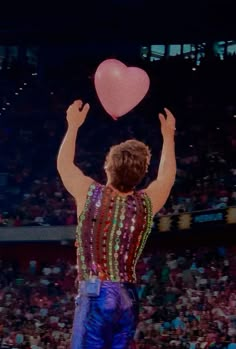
x=127 y=164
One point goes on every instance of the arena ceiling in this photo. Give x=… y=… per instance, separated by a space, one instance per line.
x=119 y=20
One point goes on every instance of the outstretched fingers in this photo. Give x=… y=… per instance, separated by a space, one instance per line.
x=162 y=118
x=170 y=119
x=78 y=102
x=167 y=121
x=86 y=107
x=169 y=114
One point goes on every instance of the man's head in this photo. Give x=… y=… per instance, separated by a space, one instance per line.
x=126 y=164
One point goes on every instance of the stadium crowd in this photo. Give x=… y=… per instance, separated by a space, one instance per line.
x=187 y=298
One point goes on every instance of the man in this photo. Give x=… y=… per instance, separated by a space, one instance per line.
x=114 y=221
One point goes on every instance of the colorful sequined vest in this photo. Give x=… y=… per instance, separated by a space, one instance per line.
x=111 y=233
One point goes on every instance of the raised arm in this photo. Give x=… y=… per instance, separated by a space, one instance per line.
x=72 y=177
x=159 y=189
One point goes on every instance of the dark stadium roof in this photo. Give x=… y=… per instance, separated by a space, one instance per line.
x=139 y=20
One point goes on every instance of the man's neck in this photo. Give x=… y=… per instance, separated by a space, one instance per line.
x=117 y=191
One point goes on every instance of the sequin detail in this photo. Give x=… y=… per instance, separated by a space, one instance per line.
x=110 y=236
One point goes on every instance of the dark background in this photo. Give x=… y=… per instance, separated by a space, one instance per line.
x=115 y=20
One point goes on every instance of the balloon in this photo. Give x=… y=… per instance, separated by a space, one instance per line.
x=120 y=88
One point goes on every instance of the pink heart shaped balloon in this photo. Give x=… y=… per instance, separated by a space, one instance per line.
x=120 y=88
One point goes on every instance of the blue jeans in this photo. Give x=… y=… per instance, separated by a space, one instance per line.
x=107 y=321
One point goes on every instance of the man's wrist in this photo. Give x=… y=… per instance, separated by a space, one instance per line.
x=169 y=137
x=72 y=128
